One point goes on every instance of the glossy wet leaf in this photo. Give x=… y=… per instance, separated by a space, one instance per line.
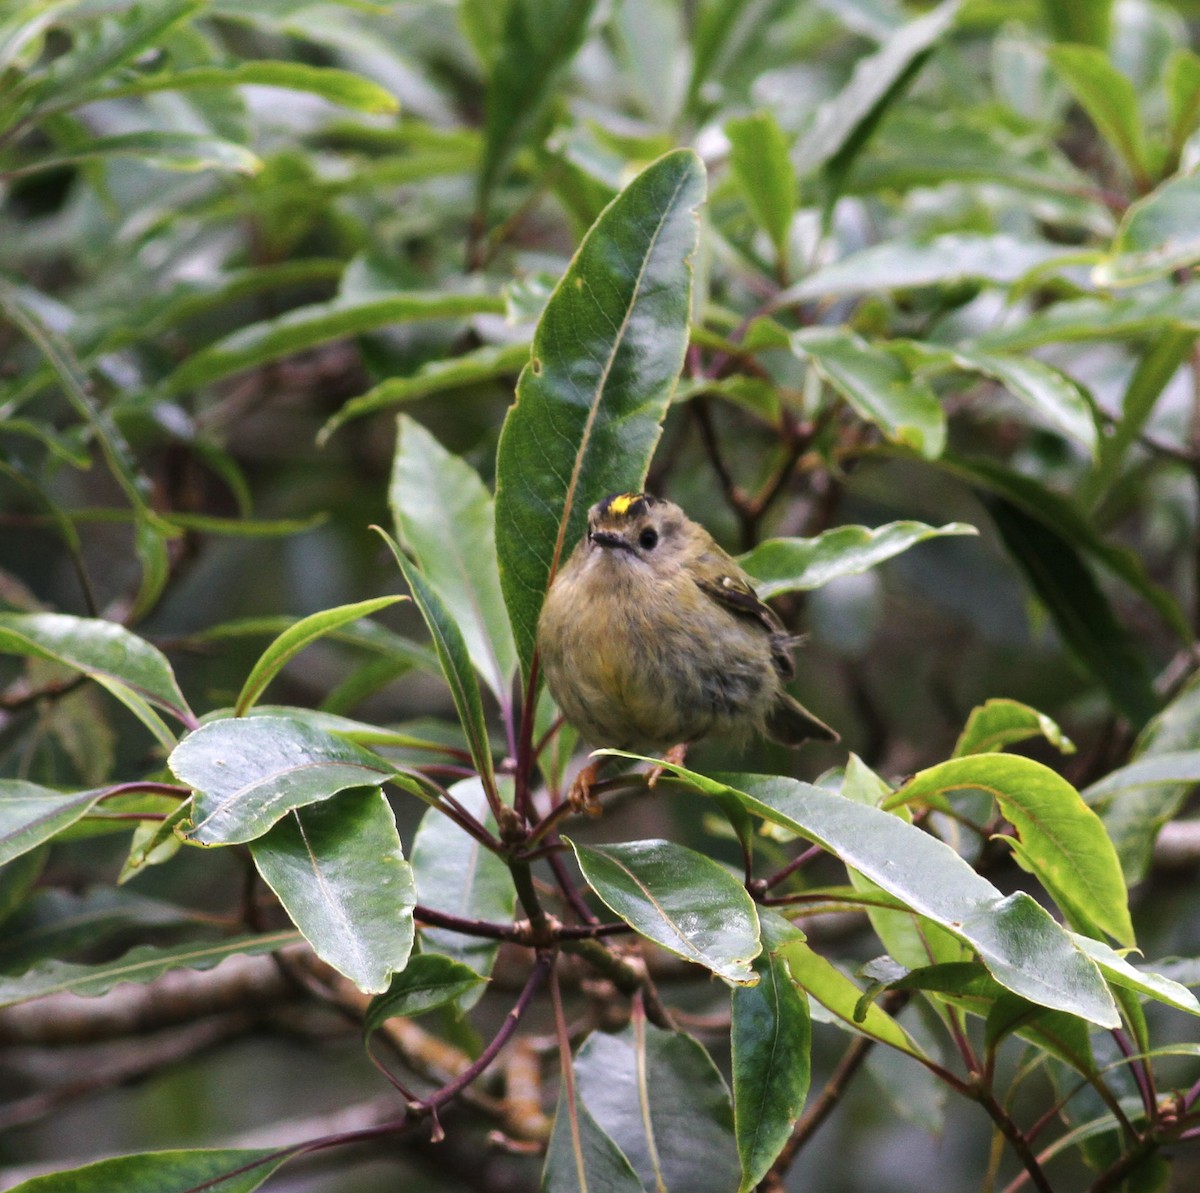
x=249 y=772
x=877 y=385
x=31 y=814
x=606 y=355
x=455 y=874
x=1000 y=722
x=445 y=518
x=294 y=639
x=427 y=982
x=1152 y=985
x=772 y=1038
x=1022 y=946
x=455 y=660
x=142 y=964
x=680 y=899
x=339 y=871
x=1059 y=838
x=660 y=1098
x=97 y=648
x=798 y=564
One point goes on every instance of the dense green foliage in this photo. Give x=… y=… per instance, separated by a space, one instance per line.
x=321 y=326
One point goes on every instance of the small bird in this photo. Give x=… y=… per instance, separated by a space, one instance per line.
x=652 y=637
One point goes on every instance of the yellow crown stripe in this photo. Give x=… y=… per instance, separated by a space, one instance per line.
x=620 y=505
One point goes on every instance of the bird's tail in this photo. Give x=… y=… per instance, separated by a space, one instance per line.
x=790 y=723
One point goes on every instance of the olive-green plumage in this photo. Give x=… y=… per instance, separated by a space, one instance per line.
x=652 y=636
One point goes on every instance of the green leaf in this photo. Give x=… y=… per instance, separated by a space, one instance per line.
x=142 y=964
x=660 y=1099
x=166 y=150
x=438 y=376
x=1182 y=81
x=1109 y=99
x=999 y=723
x=1162 y=359
x=772 y=1038
x=249 y=772
x=1023 y=948
x=1065 y=520
x=1152 y=985
x=337 y=86
x=680 y=899
x=1086 y=21
x=1059 y=838
x=1054 y=396
x=797 y=564
x=30 y=815
x=841 y=997
x=445 y=518
x=540 y=38
x=844 y=123
x=451 y=648
x=455 y=874
x=339 y=871
x=165 y=1172
x=97 y=648
x=1080 y=610
x=949 y=259
x=427 y=982
x=877 y=385
x=307 y=327
x=606 y=355
x=294 y=639
x=581 y=1158
x=759 y=160
x=1158 y=235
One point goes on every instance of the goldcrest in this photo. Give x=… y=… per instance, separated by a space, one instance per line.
x=651 y=636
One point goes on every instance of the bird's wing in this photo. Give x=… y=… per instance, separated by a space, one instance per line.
x=736 y=593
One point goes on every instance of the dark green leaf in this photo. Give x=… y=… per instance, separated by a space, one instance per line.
x=1086 y=21
x=659 y=1098
x=339 y=871
x=796 y=564
x=606 y=355
x=445 y=518
x=249 y=772
x=455 y=874
x=680 y=899
x=1182 y=79
x=427 y=982
x=581 y=1158
x=772 y=1038
x=1079 y=608
x=540 y=38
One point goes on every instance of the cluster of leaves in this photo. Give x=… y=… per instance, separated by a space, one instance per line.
x=903 y=280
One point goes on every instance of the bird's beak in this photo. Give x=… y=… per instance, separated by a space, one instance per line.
x=606 y=538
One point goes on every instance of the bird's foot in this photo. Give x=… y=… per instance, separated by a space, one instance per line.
x=580 y=796
x=675 y=756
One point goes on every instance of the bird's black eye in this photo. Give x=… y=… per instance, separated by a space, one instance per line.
x=648 y=538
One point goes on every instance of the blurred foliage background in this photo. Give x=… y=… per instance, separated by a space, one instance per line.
x=237 y=238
